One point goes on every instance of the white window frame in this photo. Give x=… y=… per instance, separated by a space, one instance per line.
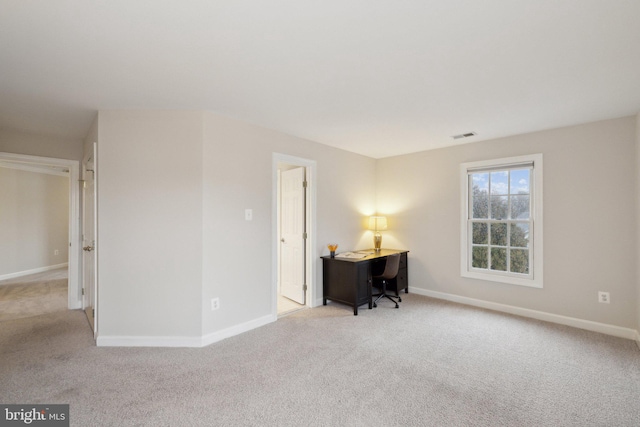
x=536 y=274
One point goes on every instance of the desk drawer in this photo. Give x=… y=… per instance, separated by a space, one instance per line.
x=403 y=261
x=402 y=281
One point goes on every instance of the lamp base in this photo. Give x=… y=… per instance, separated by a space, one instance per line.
x=377 y=242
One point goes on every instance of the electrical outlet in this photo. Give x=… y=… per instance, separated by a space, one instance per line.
x=603 y=297
x=248 y=214
x=215 y=303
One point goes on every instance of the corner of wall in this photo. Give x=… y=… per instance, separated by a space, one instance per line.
x=638 y=225
x=90 y=138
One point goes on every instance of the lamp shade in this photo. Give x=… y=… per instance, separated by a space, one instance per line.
x=377 y=223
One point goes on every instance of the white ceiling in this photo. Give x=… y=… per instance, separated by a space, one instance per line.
x=375 y=77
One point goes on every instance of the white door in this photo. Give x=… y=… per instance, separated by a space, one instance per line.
x=292 y=238
x=89 y=260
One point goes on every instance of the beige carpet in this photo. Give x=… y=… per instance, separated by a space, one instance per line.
x=428 y=363
x=33 y=295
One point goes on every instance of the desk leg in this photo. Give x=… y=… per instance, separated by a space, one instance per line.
x=355 y=310
x=324 y=301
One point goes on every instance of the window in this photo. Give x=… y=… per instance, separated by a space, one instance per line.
x=501 y=221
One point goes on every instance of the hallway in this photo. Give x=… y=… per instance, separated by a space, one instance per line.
x=34 y=294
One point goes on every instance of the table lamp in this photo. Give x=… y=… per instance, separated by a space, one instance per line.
x=377 y=223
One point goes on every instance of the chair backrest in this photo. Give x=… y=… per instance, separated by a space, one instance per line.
x=391 y=267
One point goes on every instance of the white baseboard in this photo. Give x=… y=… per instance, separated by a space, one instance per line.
x=236 y=330
x=124 y=341
x=589 y=325
x=133 y=341
x=33 y=271
x=638 y=339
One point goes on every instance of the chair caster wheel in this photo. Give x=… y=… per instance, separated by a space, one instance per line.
x=396 y=305
x=375 y=305
x=399 y=299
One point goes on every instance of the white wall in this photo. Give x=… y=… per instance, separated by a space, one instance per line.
x=12 y=141
x=34 y=220
x=173 y=187
x=150 y=224
x=590 y=219
x=237 y=166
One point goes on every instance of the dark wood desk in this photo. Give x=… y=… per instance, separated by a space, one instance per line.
x=348 y=280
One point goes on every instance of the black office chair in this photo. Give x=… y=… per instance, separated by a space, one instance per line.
x=381 y=281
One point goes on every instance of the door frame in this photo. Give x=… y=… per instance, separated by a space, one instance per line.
x=93 y=157
x=74 y=300
x=310 y=215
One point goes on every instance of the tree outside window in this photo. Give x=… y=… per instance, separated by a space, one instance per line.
x=500 y=212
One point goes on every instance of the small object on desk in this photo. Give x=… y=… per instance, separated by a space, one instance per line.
x=366 y=252
x=332 y=249
x=352 y=255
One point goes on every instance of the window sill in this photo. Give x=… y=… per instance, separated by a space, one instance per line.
x=530 y=283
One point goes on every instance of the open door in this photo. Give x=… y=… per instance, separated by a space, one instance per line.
x=89 y=222
x=293 y=235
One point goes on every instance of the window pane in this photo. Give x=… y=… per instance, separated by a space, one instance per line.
x=520 y=235
x=480 y=196
x=499 y=206
x=499 y=182
x=520 y=261
x=480 y=180
x=480 y=233
x=499 y=259
x=499 y=234
x=520 y=181
x=520 y=207
x=479 y=255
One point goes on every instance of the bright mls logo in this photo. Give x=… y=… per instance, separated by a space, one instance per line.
x=34 y=415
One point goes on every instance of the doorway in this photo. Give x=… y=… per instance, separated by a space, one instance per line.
x=69 y=168
x=89 y=233
x=293 y=234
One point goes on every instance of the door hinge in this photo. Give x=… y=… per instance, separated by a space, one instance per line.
x=82 y=291
x=93 y=313
x=304 y=184
x=304 y=287
x=304 y=235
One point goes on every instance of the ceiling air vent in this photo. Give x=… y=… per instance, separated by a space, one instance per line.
x=464 y=135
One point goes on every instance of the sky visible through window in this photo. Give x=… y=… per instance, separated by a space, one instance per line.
x=500 y=180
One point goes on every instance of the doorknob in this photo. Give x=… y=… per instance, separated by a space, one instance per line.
x=87 y=248
x=282 y=240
